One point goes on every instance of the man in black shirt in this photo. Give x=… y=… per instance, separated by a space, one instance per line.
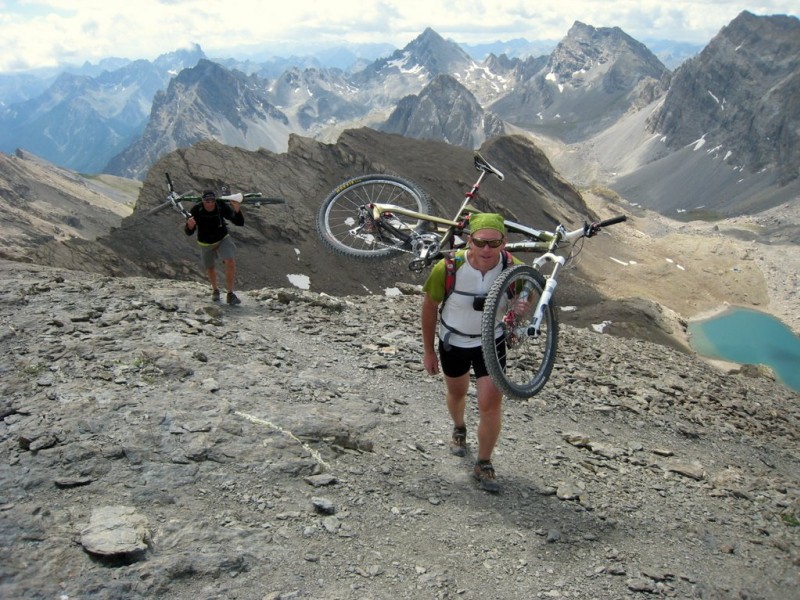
x=208 y=218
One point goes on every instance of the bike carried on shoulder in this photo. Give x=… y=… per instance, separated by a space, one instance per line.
x=176 y=200
x=379 y=216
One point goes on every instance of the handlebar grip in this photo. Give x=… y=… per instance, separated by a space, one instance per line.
x=612 y=221
x=169 y=182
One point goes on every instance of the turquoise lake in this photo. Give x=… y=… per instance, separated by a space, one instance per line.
x=747 y=336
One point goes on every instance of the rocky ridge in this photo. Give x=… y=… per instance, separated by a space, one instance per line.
x=156 y=444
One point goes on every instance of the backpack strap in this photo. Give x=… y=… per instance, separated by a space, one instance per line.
x=449 y=276
x=450 y=268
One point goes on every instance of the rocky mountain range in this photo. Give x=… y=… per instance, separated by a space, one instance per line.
x=600 y=95
x=591 y=79
x=82 y=120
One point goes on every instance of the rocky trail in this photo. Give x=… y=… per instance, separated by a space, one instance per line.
x=157 y=445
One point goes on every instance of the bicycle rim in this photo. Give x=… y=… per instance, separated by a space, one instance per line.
x=347 y=228
x=505 y=338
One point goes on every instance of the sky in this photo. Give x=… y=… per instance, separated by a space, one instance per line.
x=47 y=33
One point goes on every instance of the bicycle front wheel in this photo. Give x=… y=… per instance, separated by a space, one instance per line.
x=518 y=360
x=346 y=225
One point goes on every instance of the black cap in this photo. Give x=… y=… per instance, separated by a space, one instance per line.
x=209 y=194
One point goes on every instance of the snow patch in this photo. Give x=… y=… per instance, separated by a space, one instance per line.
x=600 y=327
x=699 y=143
x=299 y=281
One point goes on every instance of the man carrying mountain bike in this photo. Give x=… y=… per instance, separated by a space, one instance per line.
x=208 y=218
x=461 y=284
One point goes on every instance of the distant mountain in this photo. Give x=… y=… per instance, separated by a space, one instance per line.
x=444 y=110
x=19 y=87
x=608 y=111
x=314 y=98
x=79 y=121
x=672 y=53
x=741 y=95
x=205 y=102
x=407 y=71
x=591 y=79
x=514 y=48
x=726 y=136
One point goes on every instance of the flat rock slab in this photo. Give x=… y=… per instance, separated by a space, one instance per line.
x=115 y=531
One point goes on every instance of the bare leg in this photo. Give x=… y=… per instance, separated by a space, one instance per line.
x=457 y=397
x=212 y=278
x=230 y=273
x=490 y=404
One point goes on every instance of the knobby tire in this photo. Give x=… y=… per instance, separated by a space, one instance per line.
x=347 y=230
x=506 y=314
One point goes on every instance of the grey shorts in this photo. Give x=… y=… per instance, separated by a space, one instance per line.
x=225 y=249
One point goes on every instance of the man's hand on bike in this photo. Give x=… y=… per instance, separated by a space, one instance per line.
x=236 y=206
x=190 y=223
x=591 y=229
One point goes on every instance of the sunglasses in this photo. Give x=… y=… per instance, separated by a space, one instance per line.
x=479 y=243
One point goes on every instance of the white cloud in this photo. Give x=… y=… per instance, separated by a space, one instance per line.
x=49 y=32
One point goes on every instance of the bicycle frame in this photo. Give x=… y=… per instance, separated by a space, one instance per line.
x=429 y=250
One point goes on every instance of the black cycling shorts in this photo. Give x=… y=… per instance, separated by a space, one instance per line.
x=457 y=361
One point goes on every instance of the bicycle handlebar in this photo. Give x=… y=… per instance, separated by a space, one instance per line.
x=612 y=221
x=591 y=229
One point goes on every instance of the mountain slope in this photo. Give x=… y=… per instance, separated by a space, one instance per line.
x=41 y=203
x=591 y=79
x=205 y=102
x=81 y=120
x=741 y=95
x=444 y=110
x=726 y=137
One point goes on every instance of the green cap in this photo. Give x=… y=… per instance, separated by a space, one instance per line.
x=494 y=221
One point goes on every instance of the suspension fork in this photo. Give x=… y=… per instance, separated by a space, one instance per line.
x=535 y=326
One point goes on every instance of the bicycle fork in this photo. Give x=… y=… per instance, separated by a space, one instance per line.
x=535 y=326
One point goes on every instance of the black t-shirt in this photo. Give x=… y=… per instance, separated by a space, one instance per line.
x=211 y=227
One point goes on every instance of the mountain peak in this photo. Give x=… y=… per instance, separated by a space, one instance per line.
x=437 y=55
x=737 y=95
x=444 y=110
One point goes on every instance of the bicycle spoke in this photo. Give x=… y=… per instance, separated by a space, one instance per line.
x=346 y=224
x=518 y=359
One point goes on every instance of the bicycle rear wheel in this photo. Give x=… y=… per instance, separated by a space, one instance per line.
x=346 y=226
x=518 y=362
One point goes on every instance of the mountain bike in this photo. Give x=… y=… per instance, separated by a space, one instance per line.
x=379 y=216
x=176 y=200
